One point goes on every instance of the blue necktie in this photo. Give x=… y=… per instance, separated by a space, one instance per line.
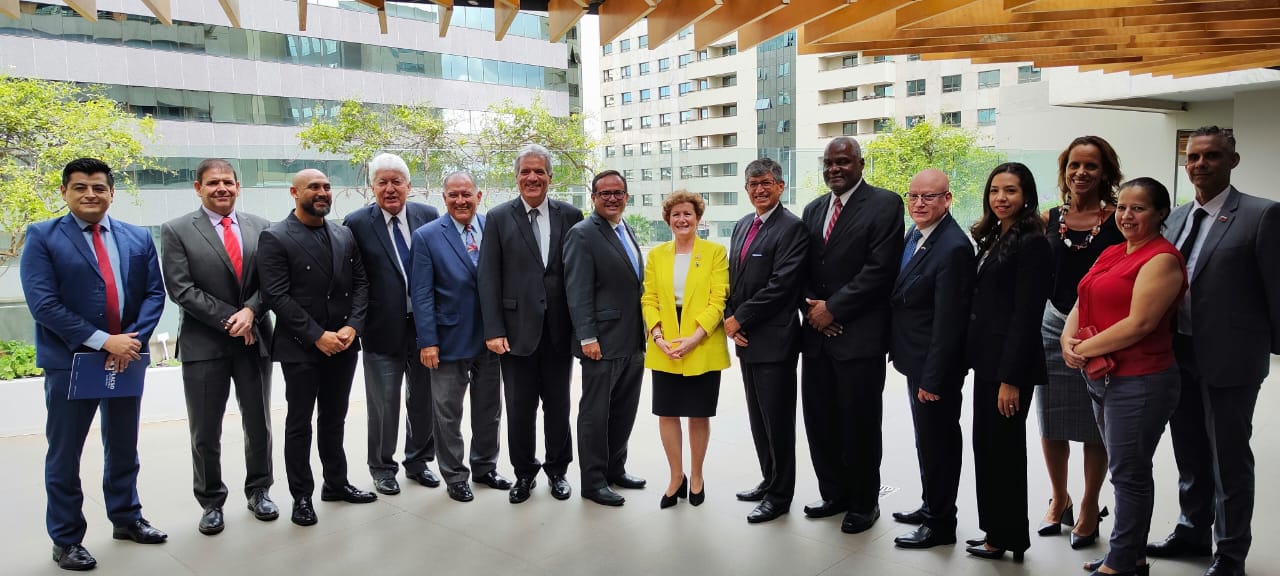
x=473 y=249
x=912 y=240
x=626 y=246
x=402 y=247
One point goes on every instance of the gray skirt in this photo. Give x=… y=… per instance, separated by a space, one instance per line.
x=1063 y=406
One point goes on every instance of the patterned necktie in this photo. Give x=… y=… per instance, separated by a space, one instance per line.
x=835 y=215
x=402 y=247
x=232 y=244
x=1189 y=244
x=537 y=233
x=626 y=247
x=751 y=235
x=913 y=240
x=109 y=278
x=473 y=249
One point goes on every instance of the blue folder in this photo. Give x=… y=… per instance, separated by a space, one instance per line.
x=89 y=378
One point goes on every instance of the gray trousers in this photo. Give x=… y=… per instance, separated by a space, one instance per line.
x=448 y=388
x=383 y=374
x=1132 y=412
x=606 y=414
x=207 y=385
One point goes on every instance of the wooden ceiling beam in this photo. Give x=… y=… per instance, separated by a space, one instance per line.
x=733 y=15
x=794 y=16
x=504 y=14
x=563 y=14
x=87 y=9
x=381 y=7
x=618 y=15
x=850 y=16
x=669 y=18
x=231 y=8
x=445 y=14
x=1218 y=64
x=162 y=10
x=991 y=12
x=927 y=9
x=302 y=15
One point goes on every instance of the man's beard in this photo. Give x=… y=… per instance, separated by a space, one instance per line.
x=310 y=208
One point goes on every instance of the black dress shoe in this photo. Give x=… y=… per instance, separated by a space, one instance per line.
x=522 y=489
x=855 y=522
x=73 y=557
x=1224 y=566
x=913 y=517
x=982 y=551
x=604 y=496
x=681 y=492
x=347 y=493
x=1054 y=528
x=697 y=498
x=753 y=495
x=825 y=508
x=211 y=521
x=924 y=537
x=262 y=507
x=765 y=512
x=426 y=478
x=1175 y=547
x=493 y=480
x=461 y=491
x=387 y=486
x=560 y=488
x=1094 y=565
x=304 y=514
x=975 y=541
x=628 y=481
x=1078 y=541
x=139 y=531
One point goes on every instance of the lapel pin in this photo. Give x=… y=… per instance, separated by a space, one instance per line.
x=1222 y=218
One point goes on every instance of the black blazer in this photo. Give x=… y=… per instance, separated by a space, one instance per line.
x=765 y=287
x=603 y=289
x=931 y=310
x=854 y=273
x=309 y=290
x=385 y=325
x=1009 y=294
x=512 y=300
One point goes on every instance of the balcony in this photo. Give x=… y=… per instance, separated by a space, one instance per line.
x=720 y=125
x=881 y=73
x=856 y=110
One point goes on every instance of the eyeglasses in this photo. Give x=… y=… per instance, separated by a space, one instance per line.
x=926 y=198
x=611 y=194
x=761 y=184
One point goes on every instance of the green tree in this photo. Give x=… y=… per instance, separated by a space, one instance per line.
x=893 y=158
x=642 y=227
x=490 y=153
x=44 y=125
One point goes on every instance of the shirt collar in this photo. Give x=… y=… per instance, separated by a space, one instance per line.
x=216 y=218
x=541 y=208
x=387 y=216
x=844 y=197
x=765 y=217
x=105 y=223
x=1212 y=207
x=475 y=225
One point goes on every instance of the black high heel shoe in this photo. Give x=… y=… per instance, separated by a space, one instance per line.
x=681 y=492
x=1054 y=528
x=1078 y=542
x=982 y=551
x=1094 y=567
x=697 y=498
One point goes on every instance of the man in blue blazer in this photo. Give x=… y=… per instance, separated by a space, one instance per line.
x=926 y=344
x=446 y=311
x=91 y=283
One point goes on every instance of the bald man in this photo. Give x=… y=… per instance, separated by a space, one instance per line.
x=314 y=281
x=926 y=340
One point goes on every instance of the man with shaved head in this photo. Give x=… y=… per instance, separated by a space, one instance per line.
x=926 y=341
x=314 y=281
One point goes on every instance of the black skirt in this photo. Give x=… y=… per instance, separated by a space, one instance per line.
x=689 y=396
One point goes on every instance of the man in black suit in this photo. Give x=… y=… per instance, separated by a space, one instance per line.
x=1228 y=328
x=382 y=232
x=855 y=240
x=926 y=344
x=526 y=321
x=313 y=279
x=209 y=258
x=604 y=277
x=766 y=275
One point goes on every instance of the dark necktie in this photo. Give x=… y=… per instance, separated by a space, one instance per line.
x=109 y=278
x=913 y=240
x=537 y=230
x=402 y=247
x=1190 y=243
x=232 y=244
x=835 y=215
x=751 y=235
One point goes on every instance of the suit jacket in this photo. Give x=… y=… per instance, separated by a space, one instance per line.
x=388 y=294
x=1003 y=342
x=603 y=289
x=513 y=302
x=705 y=291
x=309 y=290
x=200 y=280
x=854 y=273
x=446 y=299
x=765 y=287
x=67 y=295
x=931 y=309
x=1235 y=290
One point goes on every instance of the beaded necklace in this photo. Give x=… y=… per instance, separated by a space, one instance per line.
x=1062 y=227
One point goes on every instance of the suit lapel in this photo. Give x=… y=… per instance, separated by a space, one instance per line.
x=339 y=252
x=200 y=221
x=1177 y=219
x=521 y=219
x=450 y=234
x=123 y=242
x=378 y=226
x=302 y=237
x=249 y=233
x=557 y=228
x=1217 y=229
x=75 y=236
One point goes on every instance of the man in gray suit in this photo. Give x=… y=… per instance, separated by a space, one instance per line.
x=604 y=277
x=208 y=258
x=1228 y=327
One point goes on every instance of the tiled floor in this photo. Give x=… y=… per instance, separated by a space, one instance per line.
x=422 y=531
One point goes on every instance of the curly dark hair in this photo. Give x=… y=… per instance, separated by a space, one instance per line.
x=1111 y=176
x=986 y=231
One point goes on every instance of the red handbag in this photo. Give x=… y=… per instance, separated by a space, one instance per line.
x=1099 y=366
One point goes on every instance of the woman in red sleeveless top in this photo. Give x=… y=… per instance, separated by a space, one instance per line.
x=1129 y=297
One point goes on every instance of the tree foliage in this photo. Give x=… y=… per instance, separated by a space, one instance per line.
x=43 y=126
x=642 y=227
x=893 y=158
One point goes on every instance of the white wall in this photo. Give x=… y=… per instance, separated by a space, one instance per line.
x=1257 y=132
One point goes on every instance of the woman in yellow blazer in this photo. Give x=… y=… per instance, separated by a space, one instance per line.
x=686 y=282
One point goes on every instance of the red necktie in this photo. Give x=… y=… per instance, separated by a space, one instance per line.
x=108 y=277
x=233 y=246
x=746 y=244
x=835 y=215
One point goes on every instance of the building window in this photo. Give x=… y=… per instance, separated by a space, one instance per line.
x=626 y=98
x=704 y=113
x=684 y=144
x=664 y=64
x=849 y=128
x=628 y=150
x=644 y=68
x=1028 y=74
x=729 y=110
x=730 y=50
x=624 y=72
x=643 y=41
x=646 y=121
x=629 y=174
x=783 y=98
x=703 y=55
x=951 y=83
x=882 y=125
x=762 y=74
x=760 y=127
x=629 y=123
x=704 y=142
x=989 y=79
x=883 y=90
x=704 y=84
x=684 y=59
x=686 y=116
x=730 y=140
x=784 y=126
x=610 y=125
x=848 y=60
x=646 y=94
x=664 y=92
x=986 y=116
x=624 y=45
x=607 y=49
x=664 y=173
x=731 y=80
x=881 y=59
x=608 y=100
x=763 y=104
x=915 y=87
x=646 y=173
x=913 y=120
x=646 y=148
x=685 y=88
x=664 y=119
x=610 y=151
x=849 y=94
x=913 y=57
x=607 y=75
x=664 y=146
x=784 y=69
x=686 y=172
x=705 y=172
x=951 y=119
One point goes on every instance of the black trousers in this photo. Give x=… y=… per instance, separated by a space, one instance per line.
x=207 y=386
x=1000 y=467
x=771 y=409
x=322 y=387
x=527 y=380
x=940 y=450
x=606 y=414
x=843 y=408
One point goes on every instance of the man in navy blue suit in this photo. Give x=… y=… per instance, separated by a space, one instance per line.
x=91 y=283
x=446 y=310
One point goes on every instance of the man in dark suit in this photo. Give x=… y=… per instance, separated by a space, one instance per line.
x=1228 y=328
x=526 y=320
x=313 y=279
x=210 y=271
x=382 y=231
x=604 y=277
x=91 y=283
x=855 y=242
x=450 y=338
x=926 y=343
x=766 y=275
